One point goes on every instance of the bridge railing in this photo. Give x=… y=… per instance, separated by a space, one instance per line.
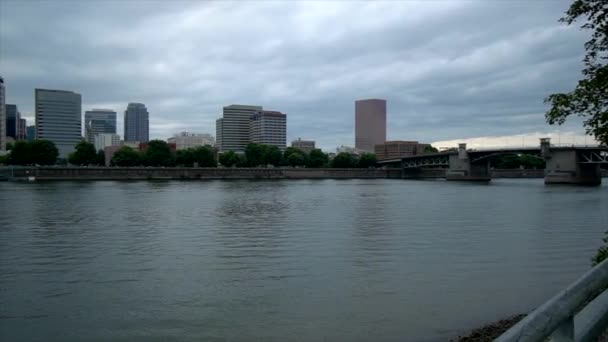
x=556 y=317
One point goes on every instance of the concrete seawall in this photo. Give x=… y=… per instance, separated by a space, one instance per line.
x=148 y=173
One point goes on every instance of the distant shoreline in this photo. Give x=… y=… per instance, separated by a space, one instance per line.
x=183 y=173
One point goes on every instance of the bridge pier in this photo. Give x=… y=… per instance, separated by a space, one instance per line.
x=563 y=167
x=461 y=169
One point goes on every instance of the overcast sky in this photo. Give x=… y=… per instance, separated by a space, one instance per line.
x=449 y=70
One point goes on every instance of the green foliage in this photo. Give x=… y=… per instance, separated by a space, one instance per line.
x=204 y=156
x=255 y=154
x=272 y=156
x=184 y=157
x=84 y=154
x=36 y=152
x=101 y=158
x=513 y=161
x=43 y=152
x=317 y=158
x=344 y=160
x=21 y=153
x=158 y=153
x=4 y=160
x=590 y=97
x=430 y=149
x=9 y=146
x=126 y=156
x=241 y=160
x=602 y=252
x=296 y=159
x=367 y=160
x=229 y=158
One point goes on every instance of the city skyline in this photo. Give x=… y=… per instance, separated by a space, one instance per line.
x=488 y=83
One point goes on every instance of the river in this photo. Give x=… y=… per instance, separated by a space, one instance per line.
x=285 y=260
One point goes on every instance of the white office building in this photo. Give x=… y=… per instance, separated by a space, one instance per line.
x=268 y=128
x=232 y=130
x=59 y=118
x=185 y=140
x=103 y=140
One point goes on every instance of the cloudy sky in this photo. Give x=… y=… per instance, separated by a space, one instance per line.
x=450 y=70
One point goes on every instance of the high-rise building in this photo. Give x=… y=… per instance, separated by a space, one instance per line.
x=370 y=124
x=2 y=116
x=303 y=145
x=137 y=123
x=268 y=128
x=12 y=120
x=21 y=129
x=218 y=133
x=99 y=121
x=59 y=118
x=233 y=128
x=31 y=133
x=186 y=140
x=103 y=140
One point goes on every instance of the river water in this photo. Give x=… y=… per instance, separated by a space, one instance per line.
x=285 y=260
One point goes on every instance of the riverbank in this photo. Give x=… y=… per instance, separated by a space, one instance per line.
x=183 y=173
x=490 y=331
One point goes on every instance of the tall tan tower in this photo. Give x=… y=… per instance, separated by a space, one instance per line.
x=370 y=124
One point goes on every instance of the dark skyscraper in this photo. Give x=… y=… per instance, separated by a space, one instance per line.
x=99 y=121
x=136 y=123
x=12 y=121
x=31 y=133
x=370 y=124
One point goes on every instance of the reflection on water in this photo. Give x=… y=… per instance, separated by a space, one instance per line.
x=293 y=260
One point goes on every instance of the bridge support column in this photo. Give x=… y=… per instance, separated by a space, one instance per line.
x=461 y=169
x=563 y=167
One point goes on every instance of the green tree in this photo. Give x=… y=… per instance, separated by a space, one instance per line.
x=9 y=146
x=229 y=158
x=296 y=159
x=602 y=252
x=158 y=153
x=272 y=156
x=126 y=156
x=367 y=160
x=43 y=152
x=430 y=149
x=531 y=162
x=344 y=160
x=184 y=157
x=204 y=156
x=101 y=158
x=590 y=97
x=4 y=160
x=241 y=160
x=254 y=154
x=21 y=153
x=316 y=158
x=84 y=154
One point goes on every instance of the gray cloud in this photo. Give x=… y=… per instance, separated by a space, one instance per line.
x=449 y=69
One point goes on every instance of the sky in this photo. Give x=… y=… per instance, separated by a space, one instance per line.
x=451 y=71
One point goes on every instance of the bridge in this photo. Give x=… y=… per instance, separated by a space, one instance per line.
x=564 y=165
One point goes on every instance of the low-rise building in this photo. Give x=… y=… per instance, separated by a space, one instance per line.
x=304 y=145
x=103 y=140
x=399 y=149
x=185 y=140
x=347 y=149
